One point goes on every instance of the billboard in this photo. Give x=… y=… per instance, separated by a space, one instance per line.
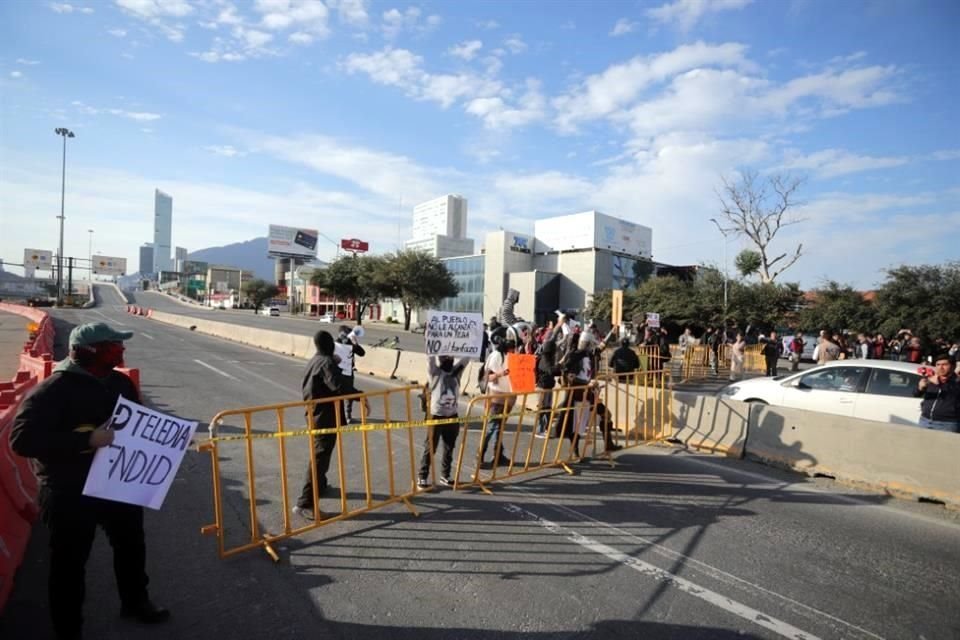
x=108 y=266
x=38 y=259
x=291 y=242
x=352 y=244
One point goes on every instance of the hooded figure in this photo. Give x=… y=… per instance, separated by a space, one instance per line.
x=506 y=310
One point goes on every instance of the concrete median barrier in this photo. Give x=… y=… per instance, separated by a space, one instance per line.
x=711 y=423
x=896 y=459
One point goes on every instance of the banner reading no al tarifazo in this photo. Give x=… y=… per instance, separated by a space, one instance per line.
x=139 y=467
x=448 y=333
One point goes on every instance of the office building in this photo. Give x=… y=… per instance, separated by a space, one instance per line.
x=180 y=256
x=162 y=231
x=146 y=258
x=440 y=227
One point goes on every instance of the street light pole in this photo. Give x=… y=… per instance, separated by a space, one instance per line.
x=65 y=133
x=724 y=233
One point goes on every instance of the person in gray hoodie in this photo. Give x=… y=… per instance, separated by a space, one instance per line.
x=444 y=375
x=506 y=316
x=61 y=425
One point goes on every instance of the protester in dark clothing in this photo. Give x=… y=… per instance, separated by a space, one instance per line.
x=444 y=384
x=547 y=372
x=771 y=352
x=57 y=424
x=913 y=351
x=624 y=358
x=940 y=407
x=322 y=379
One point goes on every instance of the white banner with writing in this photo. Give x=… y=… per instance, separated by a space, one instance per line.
x=139 y=467
x=449 y=333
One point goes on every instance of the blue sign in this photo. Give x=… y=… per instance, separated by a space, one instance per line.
x=520 y=244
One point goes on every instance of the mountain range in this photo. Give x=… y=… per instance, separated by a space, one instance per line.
x=250 y=255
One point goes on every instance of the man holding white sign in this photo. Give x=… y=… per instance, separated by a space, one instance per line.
x=57 y=424
x=449 y=333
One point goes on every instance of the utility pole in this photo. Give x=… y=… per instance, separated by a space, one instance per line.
x=65 y=133
x=725 y=276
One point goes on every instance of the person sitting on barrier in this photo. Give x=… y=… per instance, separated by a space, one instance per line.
x=322 y=379
x=55 y=426
x=940 y=407
x=348 y=365
x=624 y=358
x=498 y=382
x=444 y=384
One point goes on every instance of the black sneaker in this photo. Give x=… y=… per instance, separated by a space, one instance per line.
x=145 y=612
x=613 y=447
x=504 y=461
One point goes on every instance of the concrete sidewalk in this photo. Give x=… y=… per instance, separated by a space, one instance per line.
x=13 y=334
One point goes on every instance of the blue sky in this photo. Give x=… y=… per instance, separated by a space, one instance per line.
x=342 y=114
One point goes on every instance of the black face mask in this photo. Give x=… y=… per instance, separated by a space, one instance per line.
x=446 y=365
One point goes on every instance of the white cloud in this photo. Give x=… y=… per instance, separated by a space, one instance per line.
x=396 y=22
x=466 y=50
x=306 y=16
x=623 y=27
x=498 y=114
x=86 y=10
x=16 y=74
x=831 y=163
x=607 y=92
x=61 y=7
x=27 y=62
x=538 y=189
x=225 y=150
x=118 y=33
x=488 y=24
x=156 y=8
x=684 y=14
x=946 y=154
x=140 y=116
x=396 y=67
x=515 y=45
x=300 y=37
x=352 y=12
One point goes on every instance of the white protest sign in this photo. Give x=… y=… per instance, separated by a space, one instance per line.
x=139 y=467
x=453 y=334
x=345 y=351
x=653 y=320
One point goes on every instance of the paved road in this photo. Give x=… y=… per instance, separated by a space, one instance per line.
x=665 y=544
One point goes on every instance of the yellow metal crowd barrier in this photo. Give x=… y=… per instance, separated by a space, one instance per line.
x=753 y=359
x=624 y=409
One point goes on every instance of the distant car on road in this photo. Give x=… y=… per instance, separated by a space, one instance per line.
x=270 y=311
x=880 y=390
x=327 y=317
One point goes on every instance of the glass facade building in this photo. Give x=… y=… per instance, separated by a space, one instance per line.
x=467 y=272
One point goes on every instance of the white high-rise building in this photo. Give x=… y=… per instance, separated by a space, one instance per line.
x=440 y=227
x=162 y=231
x=180 y=256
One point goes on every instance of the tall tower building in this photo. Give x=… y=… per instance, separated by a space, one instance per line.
x=162 y=231
x=180 y=256
x=440 y=227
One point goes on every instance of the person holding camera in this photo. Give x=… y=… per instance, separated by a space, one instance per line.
x=940 y=390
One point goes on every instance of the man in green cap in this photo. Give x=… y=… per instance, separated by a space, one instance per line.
x=57 y=425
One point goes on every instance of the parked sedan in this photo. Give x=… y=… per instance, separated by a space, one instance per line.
x=879 y=390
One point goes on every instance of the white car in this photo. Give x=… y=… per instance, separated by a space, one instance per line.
x=270 y=311
x=327 y=317
x=880 y=390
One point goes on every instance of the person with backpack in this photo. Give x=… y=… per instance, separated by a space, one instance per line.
x=444 y=384
x=624 y=358
x=498 y=407
x=547 y=370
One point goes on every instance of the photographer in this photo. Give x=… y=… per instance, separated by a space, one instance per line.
x=940 y=390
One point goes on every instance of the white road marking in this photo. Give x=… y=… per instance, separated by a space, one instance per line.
x=214 y=369
x=727 y=604
x=250 y=372
x=108 y=318
x=714 y=572
x=145 y=335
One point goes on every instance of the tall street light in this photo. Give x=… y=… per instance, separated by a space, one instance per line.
x=725 y=234
x=65 y=133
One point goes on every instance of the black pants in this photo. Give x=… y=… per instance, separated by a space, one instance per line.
x=323 y=447
x=72 y=521
x=446 y=432
x=771 y=365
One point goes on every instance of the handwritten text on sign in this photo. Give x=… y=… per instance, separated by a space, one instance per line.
x=453 y=334
x=139 y=467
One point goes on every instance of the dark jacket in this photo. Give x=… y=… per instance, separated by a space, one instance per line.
x=941 y=401
x=547 y=369
x=323 y=379
x=54 y=423
x=624 y=360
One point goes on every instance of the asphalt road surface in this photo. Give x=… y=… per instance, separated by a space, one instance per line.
x=665 y=544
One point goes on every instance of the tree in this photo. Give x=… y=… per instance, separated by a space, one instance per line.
x=758 y=209
x=839 y=307
x=259 y=291
x=355 y=278
x=748 y=262
x=924 y=299
x=417 y=278
x=765 y=305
